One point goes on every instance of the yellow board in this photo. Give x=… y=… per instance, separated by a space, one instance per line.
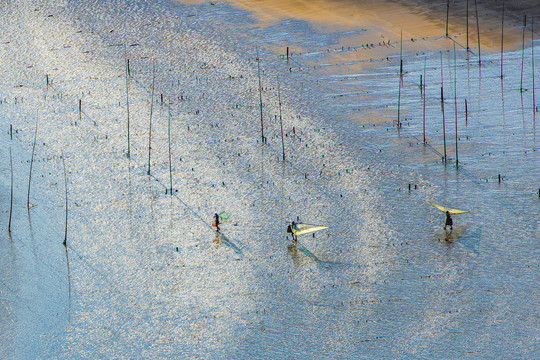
x=451 y=211
x=300 y=229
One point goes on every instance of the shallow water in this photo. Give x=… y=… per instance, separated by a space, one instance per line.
x=147 y=276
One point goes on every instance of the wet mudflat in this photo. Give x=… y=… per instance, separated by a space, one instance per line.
x=147 y=275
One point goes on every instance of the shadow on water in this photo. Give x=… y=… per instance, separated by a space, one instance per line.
x=223 y=240
x=301 y=256
x=458 y=233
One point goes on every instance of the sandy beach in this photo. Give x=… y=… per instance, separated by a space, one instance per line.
x=138 y=121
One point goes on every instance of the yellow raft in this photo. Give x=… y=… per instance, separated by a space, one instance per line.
x=451 y=211
x=300 y=229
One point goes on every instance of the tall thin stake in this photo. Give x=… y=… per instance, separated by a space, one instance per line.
x=523 y=52
x=31 y=164
x=281 y=121
x=467 y=20
x=447 y=11
x=478 y=32
x=127 y=103
x=170 y=158
x=66 y=193
x=532 y=61
x=455 y=104
x=400 y=79
x=11 y=197
x=466 y=113
x=260 y=97
x=151 y=110
x=424 y=105
x=399 y=104
x=442 y=108
x=502 y=39
x=401 y=55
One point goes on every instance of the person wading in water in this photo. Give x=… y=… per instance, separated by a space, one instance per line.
x=448 y=221
x=290 y=229
x=216 y=222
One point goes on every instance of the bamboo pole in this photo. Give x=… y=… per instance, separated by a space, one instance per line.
x=11 y=196
x=170 y=157
x=523 y=51
x=447 y=12
x=424 y=103
x=478 y=32
x=260 y=97
x=127 y=107
x=281 y=122
x=400 y=79
x=442 y=108
x=455 y=104
x=31 y=165
x=151 y=110
x=532 y=62
x=66 y=195
x=466 y=113
x=467 y=20
x=502 y=39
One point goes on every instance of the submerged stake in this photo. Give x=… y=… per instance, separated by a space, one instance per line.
x=502 y=39
x=151 y=109
x=478 y=32
x=31 y=163
x=523 y=52
x=281 y=122
x=127 y=106
x=65 y=183
x=260 y=97
x=11 y=197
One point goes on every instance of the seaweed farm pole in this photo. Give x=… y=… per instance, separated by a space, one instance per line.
x=401 y=54
x=455 y=104
x=467 y=19
x=447 y=11
x=170 y=161
x=66 y=193
x=31 y=163
x=442 y=107
x=466 y=113
x=532 y=61
x=424 y=104
x=11 y=196
x=478 y=32
x=523 y=51
x=502 y=39
x=281 y=121
x=127 y=103
x=151 y=109
x=400 y=79
x=260 y=97
x=399 y=103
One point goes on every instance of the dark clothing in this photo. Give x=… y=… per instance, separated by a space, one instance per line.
x=448 y=221
x=216 y=221
x=290 y=229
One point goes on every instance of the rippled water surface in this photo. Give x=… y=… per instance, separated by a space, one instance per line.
x=144 y=275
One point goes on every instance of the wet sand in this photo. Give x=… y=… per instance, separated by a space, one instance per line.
x=384 y=20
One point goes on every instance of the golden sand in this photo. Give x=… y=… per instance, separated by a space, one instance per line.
x=384 y=20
